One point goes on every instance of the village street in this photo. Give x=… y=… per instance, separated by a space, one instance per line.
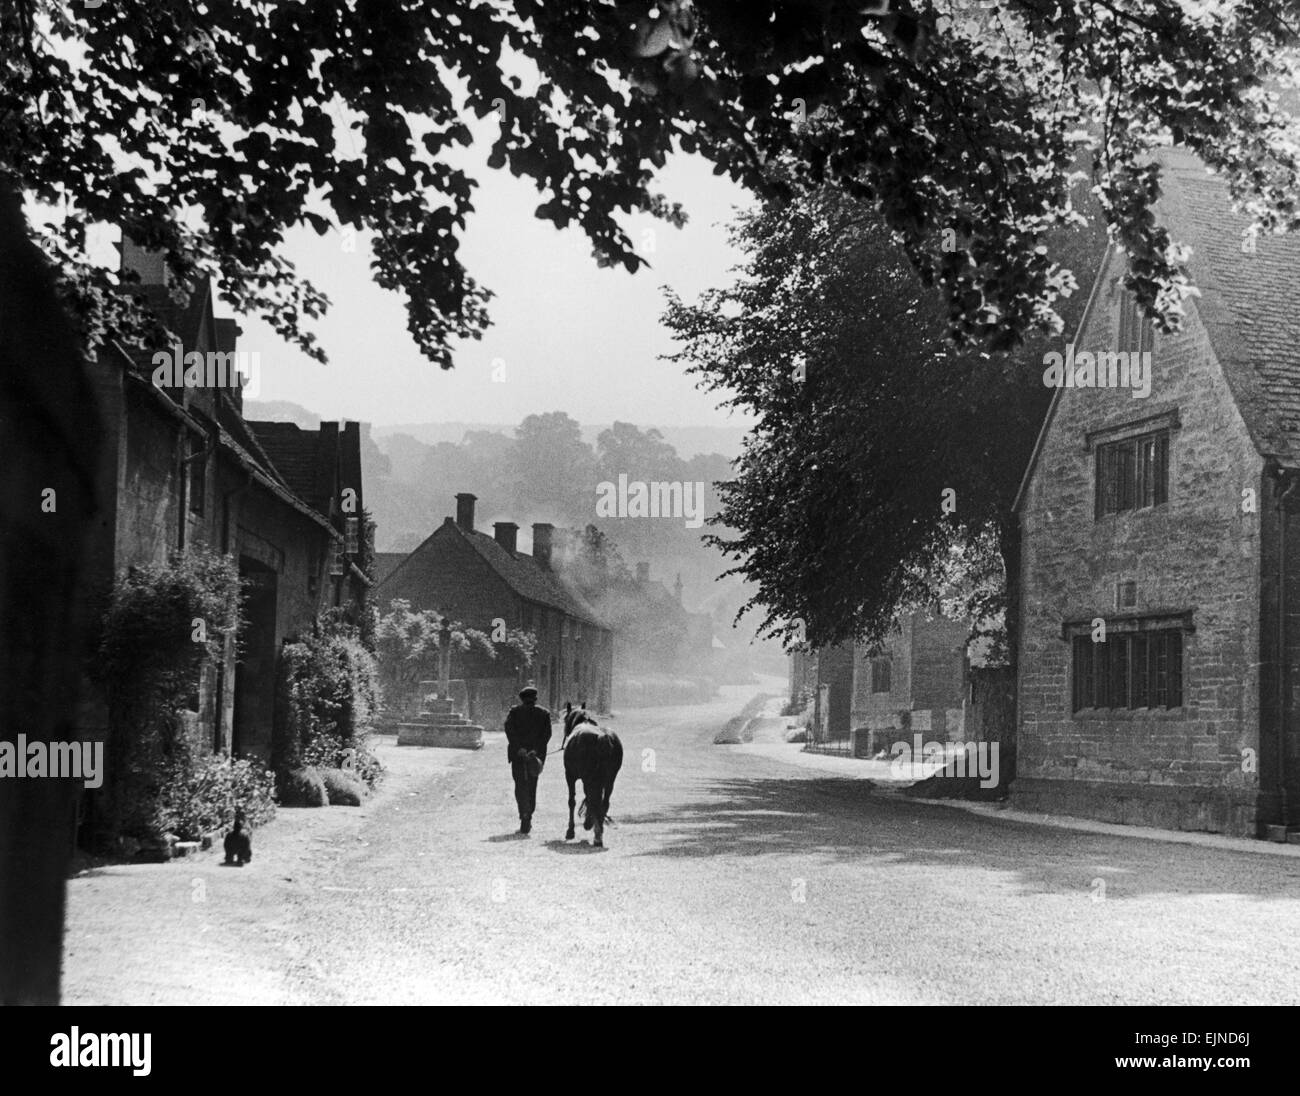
x=729 y=876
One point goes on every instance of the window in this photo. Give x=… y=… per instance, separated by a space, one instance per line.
x=1133 y=474
x=1126 y=594
x=1135 y=330
x=352 y=536
x=881 y=671
x=1129 y=670
x=198 y=467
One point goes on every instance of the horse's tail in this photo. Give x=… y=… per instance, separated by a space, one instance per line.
x=609 y=759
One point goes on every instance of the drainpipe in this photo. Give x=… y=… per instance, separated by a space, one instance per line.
x=1281 y=644
x=209 y=447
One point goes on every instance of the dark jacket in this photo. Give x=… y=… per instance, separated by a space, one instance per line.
x=528 y=727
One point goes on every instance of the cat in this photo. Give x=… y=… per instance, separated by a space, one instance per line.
x=239 y=850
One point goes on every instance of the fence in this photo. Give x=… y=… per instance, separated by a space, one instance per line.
x=825 y=734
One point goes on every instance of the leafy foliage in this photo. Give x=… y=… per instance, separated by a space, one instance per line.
x=329 y=694
x=409 y=643
x=342 y=788
x=163 y=623
x=940 y=114
x=881 y=449
x=303 y=787
x=204 y=794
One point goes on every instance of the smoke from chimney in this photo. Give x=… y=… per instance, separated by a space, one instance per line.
x=543 y=532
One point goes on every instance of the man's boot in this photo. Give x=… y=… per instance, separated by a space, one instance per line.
x=525 y=825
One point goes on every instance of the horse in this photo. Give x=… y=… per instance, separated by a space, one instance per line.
x=594 y=755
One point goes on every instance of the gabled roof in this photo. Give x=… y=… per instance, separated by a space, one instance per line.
x=1248 y=305
x=529 y=579
x=1248 y=302
x=386 y=563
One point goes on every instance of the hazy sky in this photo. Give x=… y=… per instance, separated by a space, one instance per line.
x=570 y=335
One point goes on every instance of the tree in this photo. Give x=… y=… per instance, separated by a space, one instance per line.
x=552 y=469
x=879 y=445
x=409 y=646
x=961 y=124
x=644 y=455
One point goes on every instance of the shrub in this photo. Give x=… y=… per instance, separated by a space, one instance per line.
x=203 y=795
x=163 y=623
x=366 y=764
x=303 y=788
x=329 y=751
x=328 y=697
x=342 y=789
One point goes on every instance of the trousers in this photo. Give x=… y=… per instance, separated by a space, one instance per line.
x=526 y=770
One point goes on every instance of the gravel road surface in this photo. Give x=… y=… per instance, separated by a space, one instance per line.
x=730 y=875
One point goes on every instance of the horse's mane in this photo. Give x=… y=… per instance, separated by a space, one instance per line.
x=576 y=717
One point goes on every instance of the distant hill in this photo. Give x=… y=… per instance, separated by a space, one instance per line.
x=687 y=440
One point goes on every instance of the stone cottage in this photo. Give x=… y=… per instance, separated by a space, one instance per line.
x=477 y=579
x=1161 y=555
x=183 y=468
x=913 y=683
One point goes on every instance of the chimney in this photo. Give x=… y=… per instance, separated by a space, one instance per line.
x=542 y=534
x=149 y=265
x=643 y=573
x=506 y=533
x=465 y=511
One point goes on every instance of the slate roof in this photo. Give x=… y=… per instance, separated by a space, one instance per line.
x=386 y=563
x=294 y=452
x=1248 y=303
x=530 y=580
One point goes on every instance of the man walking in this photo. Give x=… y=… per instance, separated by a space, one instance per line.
x=528 y=730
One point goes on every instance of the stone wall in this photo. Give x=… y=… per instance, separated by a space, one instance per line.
x=927 y=684
x=1199 y=553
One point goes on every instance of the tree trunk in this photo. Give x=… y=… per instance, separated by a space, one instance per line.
x=49 y=452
